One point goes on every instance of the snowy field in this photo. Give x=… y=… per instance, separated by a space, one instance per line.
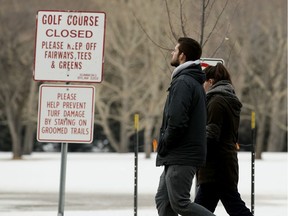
x=90 y=174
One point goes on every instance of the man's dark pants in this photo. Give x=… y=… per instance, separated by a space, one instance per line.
x=173 y=195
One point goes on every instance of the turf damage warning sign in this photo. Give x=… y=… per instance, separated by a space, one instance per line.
x=66 y=113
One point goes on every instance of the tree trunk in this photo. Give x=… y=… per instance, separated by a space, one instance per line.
x=147 y=136
x=276 y=138
x=15 y=131
x=30 y=126
x=260 y=135
x=29 y=138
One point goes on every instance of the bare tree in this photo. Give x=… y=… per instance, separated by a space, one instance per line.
x=15 y=72
x=18 y=91
x=181 y=21
x=128 y=74
x=137 y=55
x=267 y=94
x=263 y=59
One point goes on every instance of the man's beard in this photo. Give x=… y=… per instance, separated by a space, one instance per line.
x=175 y=63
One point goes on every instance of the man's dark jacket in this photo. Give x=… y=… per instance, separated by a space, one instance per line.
x=182 y=138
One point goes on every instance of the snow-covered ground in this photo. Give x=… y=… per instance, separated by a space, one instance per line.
x=112 y=173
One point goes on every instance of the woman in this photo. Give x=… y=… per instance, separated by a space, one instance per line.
x=218 y=180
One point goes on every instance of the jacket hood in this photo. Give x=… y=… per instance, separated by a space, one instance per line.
x=193 y=70
x=225 y=89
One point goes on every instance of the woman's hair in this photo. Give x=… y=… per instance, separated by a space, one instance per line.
x=217 y=73
x=190 y=47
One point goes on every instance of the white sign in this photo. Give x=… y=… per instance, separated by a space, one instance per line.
x=69 y=46
x=205 y=62
x=66 y=113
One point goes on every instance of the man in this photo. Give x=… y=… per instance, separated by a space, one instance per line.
x=182 y=142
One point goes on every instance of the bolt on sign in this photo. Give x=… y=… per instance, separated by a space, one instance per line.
x=69 y=46
x=66 y=113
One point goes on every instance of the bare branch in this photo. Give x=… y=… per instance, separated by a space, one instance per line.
x=216 y=23
x=182 y=22
x=170 y=21
x=148 y=36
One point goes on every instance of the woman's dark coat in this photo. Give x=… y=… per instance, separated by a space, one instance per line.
x=223 y=117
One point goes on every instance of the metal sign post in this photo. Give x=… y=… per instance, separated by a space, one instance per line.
x=64 y=148
x=136 y=126
x=253 y=124
x=65 y=115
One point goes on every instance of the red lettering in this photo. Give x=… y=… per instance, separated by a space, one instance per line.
x=66 y=96
x=52 y=45
x=82 y=20
x=69 y=33
x=51 y=19
x=84 y=55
